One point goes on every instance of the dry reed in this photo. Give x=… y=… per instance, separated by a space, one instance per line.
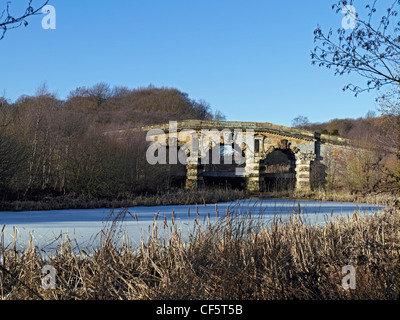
x=237 y=257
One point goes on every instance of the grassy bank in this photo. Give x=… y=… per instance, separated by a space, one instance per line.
x=186 y=197
x=381 y=198
x=236 y=258
x=175 y=197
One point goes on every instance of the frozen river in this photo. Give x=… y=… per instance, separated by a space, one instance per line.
x=84 y=226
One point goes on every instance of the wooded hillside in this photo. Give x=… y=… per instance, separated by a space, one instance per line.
x=54 y=147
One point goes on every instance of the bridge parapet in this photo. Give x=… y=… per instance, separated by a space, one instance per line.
x=264 y=127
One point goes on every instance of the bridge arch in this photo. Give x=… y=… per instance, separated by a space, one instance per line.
x=278 y=170
x=219 y=164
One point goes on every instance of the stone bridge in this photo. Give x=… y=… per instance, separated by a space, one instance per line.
x=256 y=150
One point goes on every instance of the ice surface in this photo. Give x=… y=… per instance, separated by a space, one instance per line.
x=84 y=226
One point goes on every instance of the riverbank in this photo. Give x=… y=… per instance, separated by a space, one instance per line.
x=176 y=197
x=188 y=197
x=381 y=198
x=237 y=258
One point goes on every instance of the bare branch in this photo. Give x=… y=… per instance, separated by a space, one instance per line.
x=371 y=51
x=8 y=21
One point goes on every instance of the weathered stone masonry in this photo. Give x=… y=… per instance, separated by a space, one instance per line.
x=306 y=147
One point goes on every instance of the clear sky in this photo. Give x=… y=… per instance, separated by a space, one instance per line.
x=250 y=59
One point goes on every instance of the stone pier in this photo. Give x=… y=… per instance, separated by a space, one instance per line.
x=303 y=171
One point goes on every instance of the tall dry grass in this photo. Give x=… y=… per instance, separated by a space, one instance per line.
x=238 y=257
x=172 y=197
x=381 y=198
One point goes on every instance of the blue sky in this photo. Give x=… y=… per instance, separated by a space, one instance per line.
x=249 y=59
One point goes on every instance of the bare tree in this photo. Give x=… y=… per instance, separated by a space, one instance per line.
x=389 y=106
x=219 y=116
x=300 y=122
x=371 y=49
x=9 y=21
